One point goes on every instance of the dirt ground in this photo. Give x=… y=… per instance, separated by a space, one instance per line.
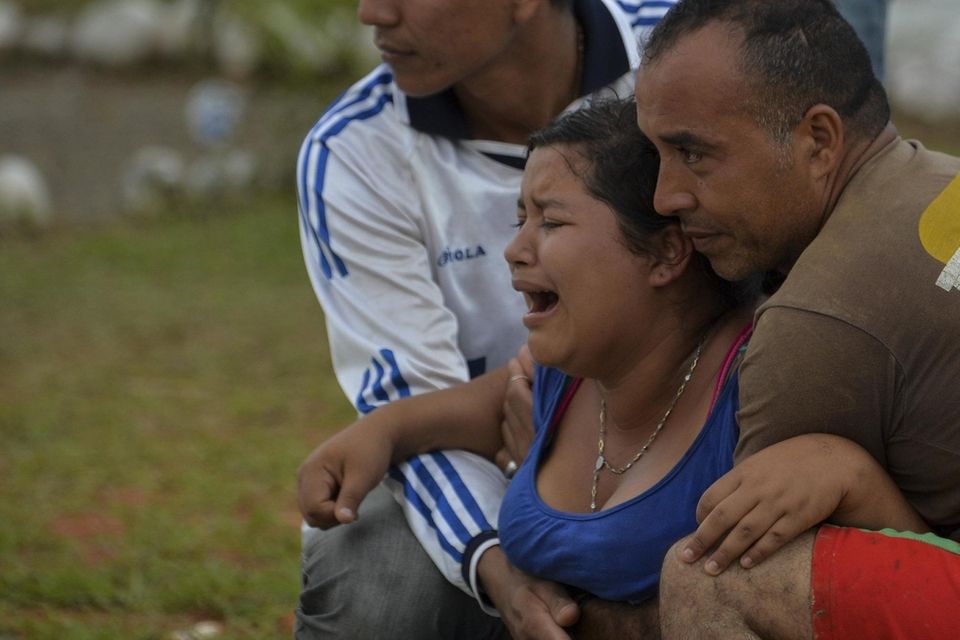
x=81 y=127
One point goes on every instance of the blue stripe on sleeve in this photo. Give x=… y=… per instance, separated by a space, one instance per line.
x=373 y=382
x=340 y=105
x=331 y=127
x=395 y=376
x=413 y=498
x=444 y=507
x=337 y=107
x=361 y=403
x=378 y=391
x=462 y=492
x=321 y=168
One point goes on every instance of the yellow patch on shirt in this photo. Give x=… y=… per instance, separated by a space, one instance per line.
x=940 y=233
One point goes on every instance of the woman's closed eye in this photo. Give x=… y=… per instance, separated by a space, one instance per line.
x=545 y=223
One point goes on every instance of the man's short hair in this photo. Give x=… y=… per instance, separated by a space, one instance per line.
x=795 y=53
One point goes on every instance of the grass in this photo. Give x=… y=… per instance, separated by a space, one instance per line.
x=161 y=381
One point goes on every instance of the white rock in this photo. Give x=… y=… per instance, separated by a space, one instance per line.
x=311 y=48
x=24 y=196
x=153 y=179
x=200 y=631
x=213 y=109
x=227 y=172
x=178 y=30
x=204 y=178
x=117 y=33
x=207 y=629
x=45 y=36
x=237 y=46
x=239 y=168
x=11 y=25
x=923 y=58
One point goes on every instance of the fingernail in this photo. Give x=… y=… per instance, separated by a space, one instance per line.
x=712 y=567
x=687 y=554
x=346 y=513
x=746 y=562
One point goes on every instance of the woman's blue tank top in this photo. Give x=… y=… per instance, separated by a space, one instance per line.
x=616 y=553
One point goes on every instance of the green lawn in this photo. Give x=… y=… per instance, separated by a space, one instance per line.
x=160 y=382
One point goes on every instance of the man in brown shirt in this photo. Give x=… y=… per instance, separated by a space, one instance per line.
x=777 y=154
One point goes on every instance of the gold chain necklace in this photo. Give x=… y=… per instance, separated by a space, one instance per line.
x=601 y=458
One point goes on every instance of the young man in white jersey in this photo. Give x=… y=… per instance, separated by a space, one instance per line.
x=407 y=192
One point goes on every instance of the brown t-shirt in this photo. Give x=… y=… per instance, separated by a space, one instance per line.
x=863 y=338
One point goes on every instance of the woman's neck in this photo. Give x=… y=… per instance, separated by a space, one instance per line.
x=639 y=393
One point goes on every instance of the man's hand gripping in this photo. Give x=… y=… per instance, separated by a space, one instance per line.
x=337 y=475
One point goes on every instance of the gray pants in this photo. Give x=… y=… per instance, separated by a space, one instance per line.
x=372 y=579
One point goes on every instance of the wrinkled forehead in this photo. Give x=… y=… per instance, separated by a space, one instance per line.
x=716 y=45
x=696 y=83
x=553 y=166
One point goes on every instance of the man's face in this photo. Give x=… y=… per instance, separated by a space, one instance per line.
x=748 y=202
x=434 y=44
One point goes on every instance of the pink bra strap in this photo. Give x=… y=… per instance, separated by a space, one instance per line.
x=564 y=403
x=743 y=336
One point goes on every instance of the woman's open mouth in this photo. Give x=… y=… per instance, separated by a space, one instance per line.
x=540 y=307
x=541 y=301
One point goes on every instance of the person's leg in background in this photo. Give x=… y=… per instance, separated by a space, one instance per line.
x=372 y=579
x=869 y=20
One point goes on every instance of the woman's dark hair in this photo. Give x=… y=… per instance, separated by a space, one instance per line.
x=622 y=164
x=621 y=168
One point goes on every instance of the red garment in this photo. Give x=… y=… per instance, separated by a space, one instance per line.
x=884 y=585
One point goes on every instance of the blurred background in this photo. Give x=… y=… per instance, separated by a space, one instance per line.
x=163 y=364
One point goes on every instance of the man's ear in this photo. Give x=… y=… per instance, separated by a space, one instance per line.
x=672 y=257
x=822 y=131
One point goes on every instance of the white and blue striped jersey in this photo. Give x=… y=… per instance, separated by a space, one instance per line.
x=404 y=218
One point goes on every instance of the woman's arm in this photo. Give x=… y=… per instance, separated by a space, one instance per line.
x=466 y=416
x=336 y=476
x=529 y=607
